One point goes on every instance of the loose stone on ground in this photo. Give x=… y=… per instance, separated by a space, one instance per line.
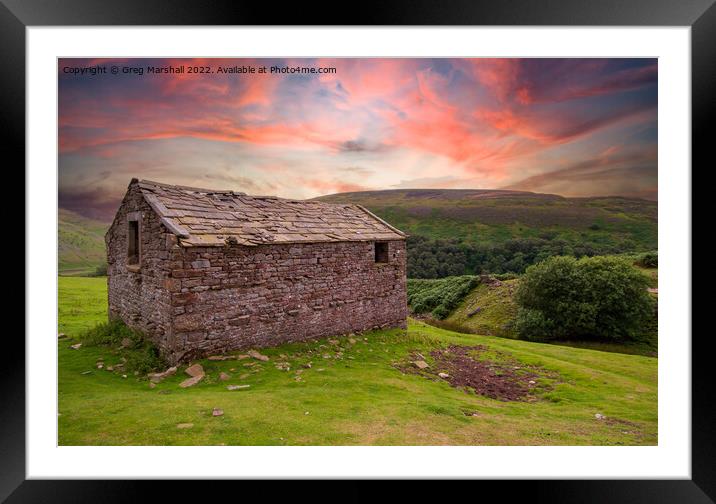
x=190 y=382
x=158 y=377
x=195 y=370
x=257 y=355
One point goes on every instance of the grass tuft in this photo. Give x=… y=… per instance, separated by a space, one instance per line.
x=141 y=355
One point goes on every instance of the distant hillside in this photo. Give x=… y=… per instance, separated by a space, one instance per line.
x=498 y=215
x=457 y=232
x=80 y=243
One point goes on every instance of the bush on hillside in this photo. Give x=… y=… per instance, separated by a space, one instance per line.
x=647 y=260
x=101 y=270
x=439 y=297
x=603 y=298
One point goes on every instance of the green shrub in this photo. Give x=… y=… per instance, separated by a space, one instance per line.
x=648 y=260
x=602 y=298
x=142 y=356
x=439 y=297
x=534 y=326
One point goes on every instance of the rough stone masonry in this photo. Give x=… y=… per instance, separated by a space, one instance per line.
x=204 y=272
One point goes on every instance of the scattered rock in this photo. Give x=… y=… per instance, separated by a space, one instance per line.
x=258 y=356
x=308 y=365
x=152 y=384
x=190 y=382
x=223 y=376
x=76 y=347
x=124 y=376
x=158 y=377
x=599 y=416
x=306 y=413
x=237 y=387
x=352 y=341
x=185 y=425
x=61 y=335
x=126 y=343
x=86 y=372
x=244 y=376
x=110 y=368
x=195 y=370
x=243 y=356
x=283 y=366
x=420 y=364
x=221 y=357
x=443 y=375
x=532 y=382
x=100 y=365
x=217 y=412
x=333 y=341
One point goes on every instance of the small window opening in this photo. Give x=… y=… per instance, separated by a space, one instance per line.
x=381 y=252
x=133 y=242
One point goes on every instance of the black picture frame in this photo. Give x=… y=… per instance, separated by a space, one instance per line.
x=700 y=15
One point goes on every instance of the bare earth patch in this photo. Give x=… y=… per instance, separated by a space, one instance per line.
x=490 y=373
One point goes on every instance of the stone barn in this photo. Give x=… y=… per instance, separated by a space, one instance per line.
x=207 y=271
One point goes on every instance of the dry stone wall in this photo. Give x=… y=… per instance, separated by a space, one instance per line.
x=239 y=297
x=139 y=296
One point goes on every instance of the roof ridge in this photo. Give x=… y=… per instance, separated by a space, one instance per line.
x=189 y=188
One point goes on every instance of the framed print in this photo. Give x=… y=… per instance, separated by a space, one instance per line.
x=422 y=246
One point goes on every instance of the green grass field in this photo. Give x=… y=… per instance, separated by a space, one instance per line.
x=357 y=397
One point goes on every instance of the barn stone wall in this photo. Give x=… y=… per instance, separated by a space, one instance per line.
x=238 y=297
x=139 y=296
x=195 y=301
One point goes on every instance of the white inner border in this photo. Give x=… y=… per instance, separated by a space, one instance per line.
x=670 y=459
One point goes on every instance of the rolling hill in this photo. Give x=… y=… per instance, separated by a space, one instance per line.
x=494 y=216
x=470 y=231
x=80 y=245
x=455 y=231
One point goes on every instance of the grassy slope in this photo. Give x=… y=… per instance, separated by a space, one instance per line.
x=80 y=243
x=496 y=216
x=361 y=399
x=497 y=309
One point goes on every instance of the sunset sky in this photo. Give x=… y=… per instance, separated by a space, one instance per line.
x=575 y=127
